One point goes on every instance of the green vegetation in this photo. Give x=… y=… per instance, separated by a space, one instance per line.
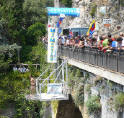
x=66 y=3
x=22 y=24
x=88 y=88
x=97 y=80
x=116 y=102
x=93 y=105
x=93 y=10
x=122 y=3
x=4 y=117
x=79 y=95
x=75 y=77
x=11 y=85
x=54 y=106
x=50 y=3
x=119 y=101
x=76 y=82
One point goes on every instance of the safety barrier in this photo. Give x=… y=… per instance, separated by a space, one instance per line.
x=110 y=60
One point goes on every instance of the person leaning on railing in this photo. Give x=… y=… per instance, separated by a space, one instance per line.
x=87 y=42
x=81 y=42
x=93 y=42
x=119 y=44
x=99 y=43
x=106 y=43
x=122 y=36
x=76 y=41
x=103 y=43
x=72 y=42
x=67 y=43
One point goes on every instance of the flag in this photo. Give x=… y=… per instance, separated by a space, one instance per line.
x=60 y=31
x=59 y=21
x=91 y=28
x=70 y=34
x=49 y=25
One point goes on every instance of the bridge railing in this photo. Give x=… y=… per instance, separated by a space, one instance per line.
x=110 y=60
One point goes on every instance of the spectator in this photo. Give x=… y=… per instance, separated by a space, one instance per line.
x=15 y=68
x=23 y=69
x=109 y=45
x=76 y=41
x=33 y=85
x=63 y=40
x=27 y=70
x=105 y=44
x=114 y=44
x=122 y=36
x=81 y=43
x=95 y=35
x=72 y=42
x=119 y=43
x=20 y=69
x=100 y=45
x=93 y=42
x=67 y=42
x=59 y=42
x=87 y=41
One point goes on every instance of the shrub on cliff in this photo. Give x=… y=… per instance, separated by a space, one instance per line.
x=93 y=105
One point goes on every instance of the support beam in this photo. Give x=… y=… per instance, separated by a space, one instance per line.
x=56 y=3
x=110 y=75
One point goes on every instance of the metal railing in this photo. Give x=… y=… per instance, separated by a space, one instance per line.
x=110 y=60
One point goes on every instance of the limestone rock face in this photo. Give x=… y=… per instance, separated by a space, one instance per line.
x=85 y=18
x=113 y=12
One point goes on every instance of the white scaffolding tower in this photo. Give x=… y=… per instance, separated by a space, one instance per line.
x=52 y=88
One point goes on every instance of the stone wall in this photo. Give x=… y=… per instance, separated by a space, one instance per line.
x=91 y=85
x=67 y=109
x=106 y=90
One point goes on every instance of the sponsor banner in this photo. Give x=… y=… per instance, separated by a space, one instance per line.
x=54 y=88
x=52 y=11
x=107 y=22
x=52 y=45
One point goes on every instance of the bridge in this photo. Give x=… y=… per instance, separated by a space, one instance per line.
x=108 y=65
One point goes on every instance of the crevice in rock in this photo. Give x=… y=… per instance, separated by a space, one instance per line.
x=67 y=109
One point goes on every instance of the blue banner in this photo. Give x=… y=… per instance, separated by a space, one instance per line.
x=52 y=11
x=52 y=45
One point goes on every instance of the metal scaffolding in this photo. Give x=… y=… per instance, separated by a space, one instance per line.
x=51 y=88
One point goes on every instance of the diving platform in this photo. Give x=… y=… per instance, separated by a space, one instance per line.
x=47 y=97
x=54 y=87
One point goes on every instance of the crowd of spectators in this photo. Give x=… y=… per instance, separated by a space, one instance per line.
x=20 y=69
x=103 y=43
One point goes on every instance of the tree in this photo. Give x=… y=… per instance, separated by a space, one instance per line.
x=49 y=3
x=34 y=11
x=93 y=10
x=12 y=13
x=22 y=22
x=36 y=30
x=66 y=3
x=7 y=53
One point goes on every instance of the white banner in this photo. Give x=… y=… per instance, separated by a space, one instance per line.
x=54 y=88
x=52 y=45
x=107 y=21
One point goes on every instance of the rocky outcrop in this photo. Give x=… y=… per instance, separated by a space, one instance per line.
x=85 y=18
x=67 y=109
